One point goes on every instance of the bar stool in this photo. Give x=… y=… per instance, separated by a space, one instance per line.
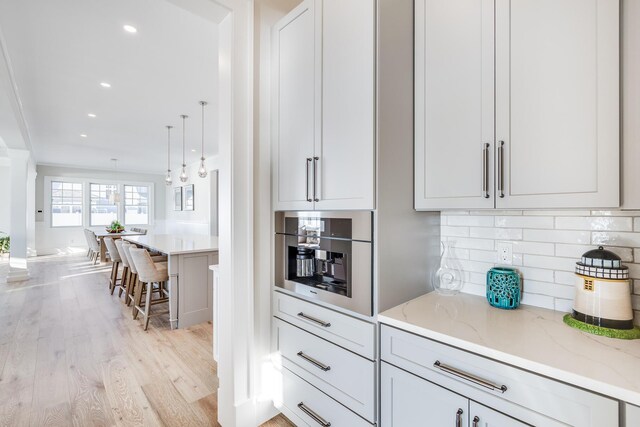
x=133 y=273
x=115 y=262
x=149 y=272
x=126 y=271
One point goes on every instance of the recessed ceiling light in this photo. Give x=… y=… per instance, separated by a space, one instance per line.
x=193 y=150
x=83 y=135
x=105 y=84
x=130 y=29
x=93 y=116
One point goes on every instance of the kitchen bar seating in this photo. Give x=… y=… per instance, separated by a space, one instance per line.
x=149 y=272
x=126 y=271
x=115 y=262
x=133 y=274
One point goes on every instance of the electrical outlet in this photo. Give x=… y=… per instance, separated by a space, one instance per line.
x=505 y=253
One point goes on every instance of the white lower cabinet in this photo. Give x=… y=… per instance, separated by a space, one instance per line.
x=327 y=361
x=481 y=416
x=305 y=405
x=408 y=400
x=631 y=416
x=424 y=382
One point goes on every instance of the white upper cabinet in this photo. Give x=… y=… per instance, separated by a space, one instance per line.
x=557 y=103
x=556 y=116
x=324 y=107
x=294 y=98
x=454 y=92
x=346 y=150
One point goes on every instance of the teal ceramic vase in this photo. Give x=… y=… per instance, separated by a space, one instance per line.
x=503 y=288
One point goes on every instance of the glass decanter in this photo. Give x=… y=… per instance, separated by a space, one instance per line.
x=447 y=279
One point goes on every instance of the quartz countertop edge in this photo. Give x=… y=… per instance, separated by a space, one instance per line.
x=531 y=338
x=170 y=244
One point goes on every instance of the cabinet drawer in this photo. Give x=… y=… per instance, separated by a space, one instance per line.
x=473 y=376
x=305 y=405
x=343 y=375
x=345 y=331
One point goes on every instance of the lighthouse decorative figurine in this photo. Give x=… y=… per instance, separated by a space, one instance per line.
x=602 y=303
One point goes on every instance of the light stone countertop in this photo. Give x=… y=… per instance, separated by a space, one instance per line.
x=532 y=338
x=175 y=244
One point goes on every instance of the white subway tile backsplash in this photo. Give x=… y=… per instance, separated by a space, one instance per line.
x=615 y=238
x=544 y=301
x=557 y=213
x=546 y=246
x=492 y=212
x=615 y=213
x=463 y=243
x=552 y=263
x=576 y=251
x=564 y=278
x=533 y=248
x=557 y=236
x=470 y=220
x=524 y=221
x=485 y=256
x=607 y=223
x=496 y=233
x=563 y=305
x=449 y=231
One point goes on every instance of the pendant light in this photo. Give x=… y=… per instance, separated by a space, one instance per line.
x=183 y=174
x=202 y=171
x=168 y=179
x=114 y=197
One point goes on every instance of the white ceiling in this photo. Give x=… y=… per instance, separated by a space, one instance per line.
x=61 y=50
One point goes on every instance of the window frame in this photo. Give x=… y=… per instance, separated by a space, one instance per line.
x=86 y=199
x=124 y=203
x=92 y=183
x=51 y=204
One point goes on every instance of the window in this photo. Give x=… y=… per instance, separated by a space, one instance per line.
x=136 y=204
x=103 y=204
x=66 y=204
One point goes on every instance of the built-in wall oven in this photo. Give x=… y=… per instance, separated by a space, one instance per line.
x=327 y=256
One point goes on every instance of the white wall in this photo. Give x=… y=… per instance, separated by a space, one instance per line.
x=546 y=246
x=55 y=240
x=5 y=194
x=198 y=220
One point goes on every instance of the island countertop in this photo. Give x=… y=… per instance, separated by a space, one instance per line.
x=175 y=244
x=532 y=338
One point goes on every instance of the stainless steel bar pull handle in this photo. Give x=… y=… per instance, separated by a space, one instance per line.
x=469 y=377
x=476 y=421
x=315 y=179
x=485 y=170
x=501 y=169
x=306 y=168
x=317 y=418
x=459 y=417
x=314 y=362
x=313 y=319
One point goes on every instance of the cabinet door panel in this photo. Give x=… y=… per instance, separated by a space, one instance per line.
x=557 y=102
x=408 y=401
x=454 y=99
x=295 y=123
x=481 y=416
x=345 y=177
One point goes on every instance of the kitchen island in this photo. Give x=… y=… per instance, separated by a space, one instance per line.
x=190 y=280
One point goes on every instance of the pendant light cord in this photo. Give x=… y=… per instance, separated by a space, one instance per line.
x=203 y=103
x=184 y=117
x=169 y=148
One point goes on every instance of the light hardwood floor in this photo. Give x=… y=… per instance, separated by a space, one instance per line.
x=70 y=354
